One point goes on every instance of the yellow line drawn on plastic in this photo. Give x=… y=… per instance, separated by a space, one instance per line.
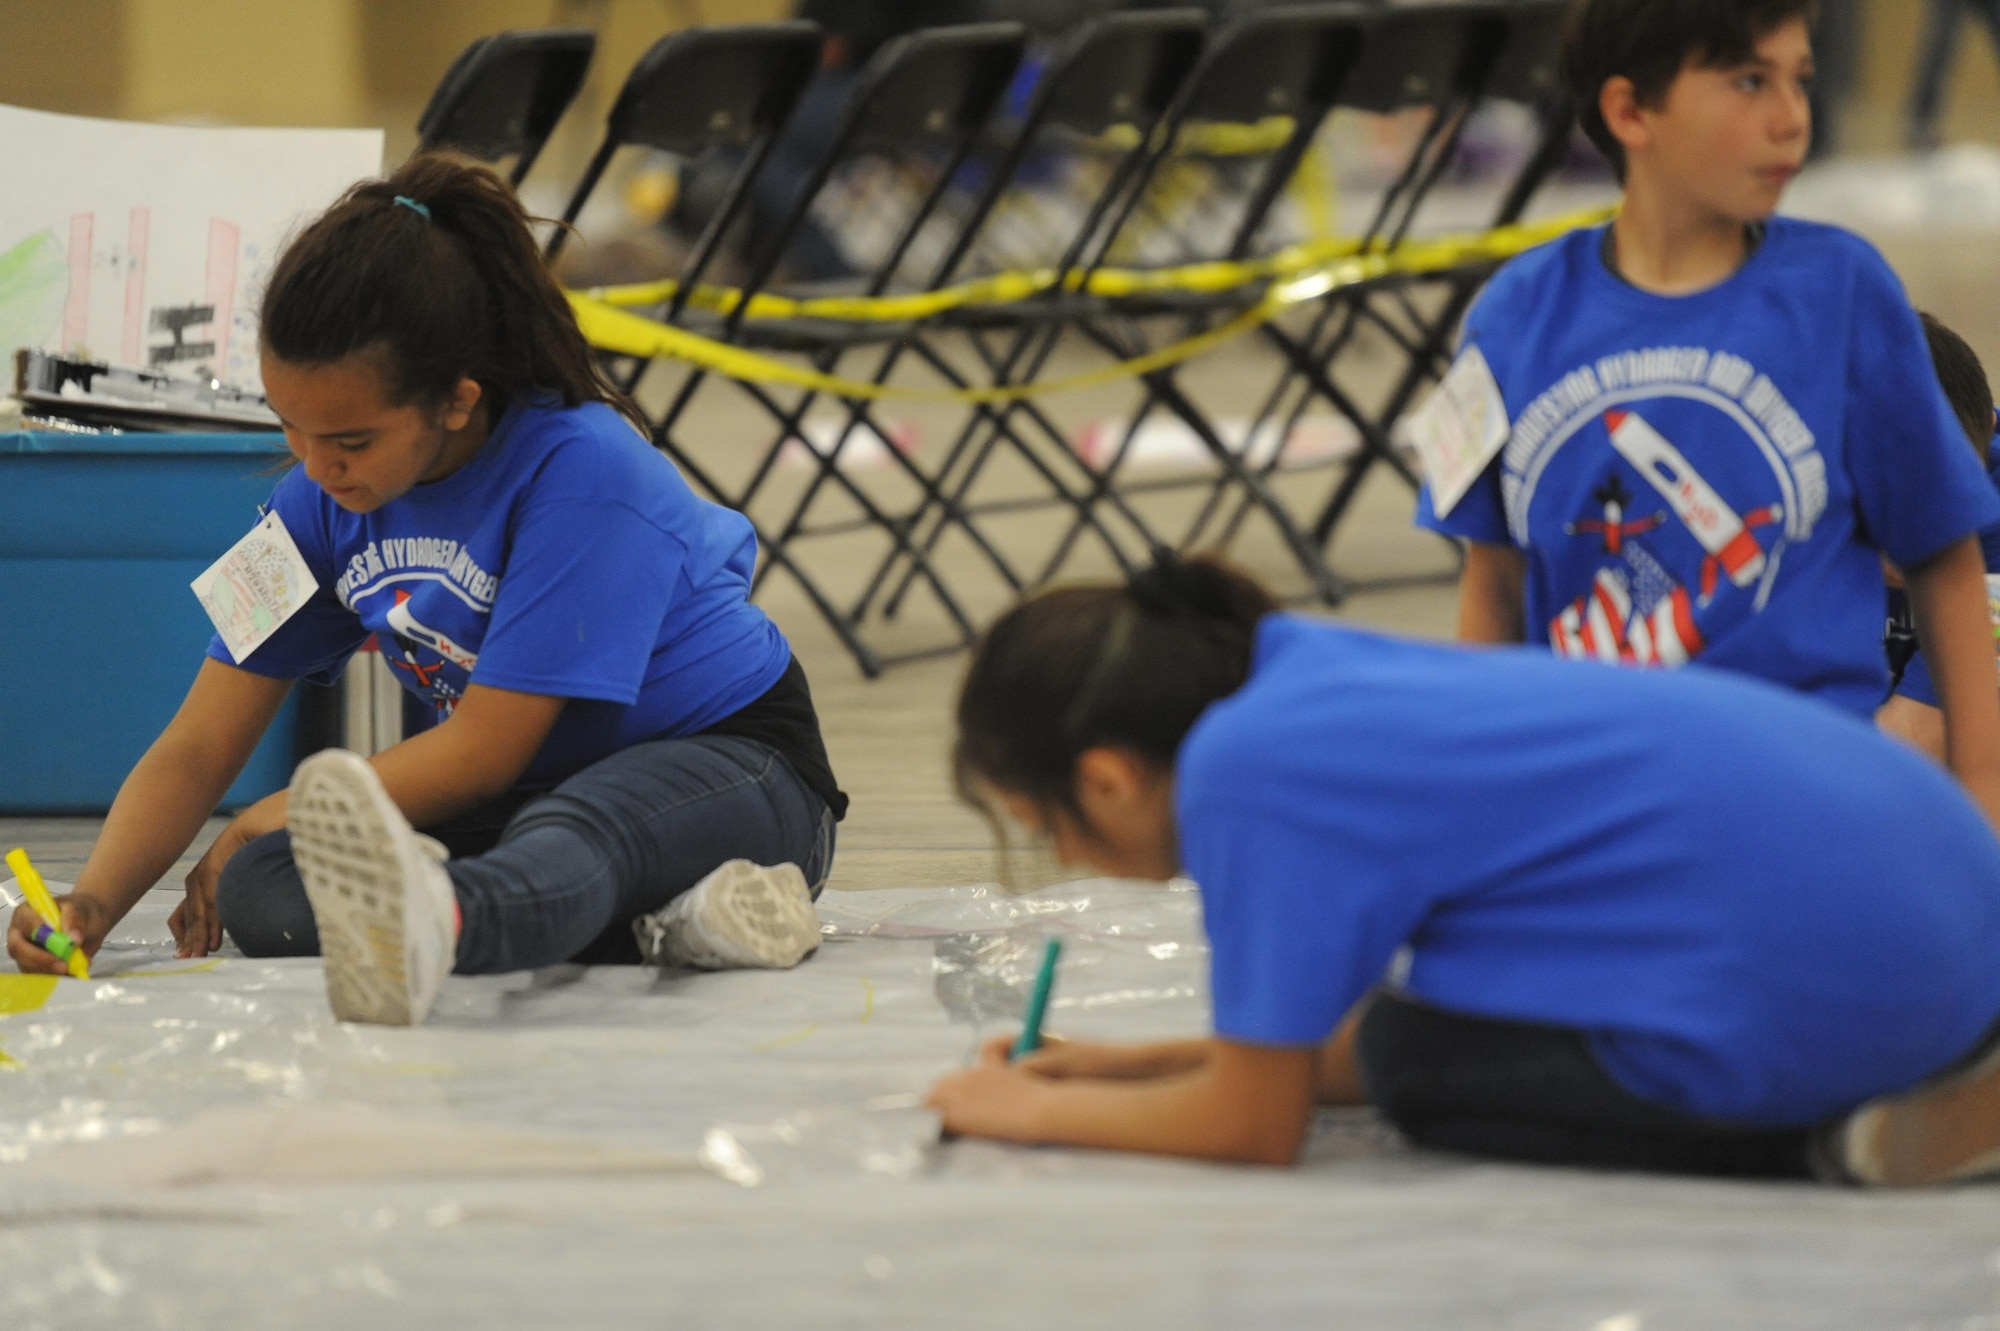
x=24 y=993
x=151 y=972
x=770 y=1046
x=867 y=999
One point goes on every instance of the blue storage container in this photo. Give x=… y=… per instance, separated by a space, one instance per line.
x=100 y=636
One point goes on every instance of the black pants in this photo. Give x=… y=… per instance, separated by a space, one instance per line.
x=1520 y=1091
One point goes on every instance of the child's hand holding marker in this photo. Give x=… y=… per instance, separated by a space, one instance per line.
x=46 y=937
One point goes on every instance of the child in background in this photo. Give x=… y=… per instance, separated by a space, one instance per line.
x=1912 y=711
x=618 y=724
x=1710 y=423
x=1643 y=909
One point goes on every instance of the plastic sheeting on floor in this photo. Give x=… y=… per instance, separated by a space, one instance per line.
x=199 y=1144
x=745 y=1073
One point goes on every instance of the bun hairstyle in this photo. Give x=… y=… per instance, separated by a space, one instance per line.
x=1129 y=667
x=434 y=271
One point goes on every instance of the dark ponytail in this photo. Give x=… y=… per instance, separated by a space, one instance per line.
x=1130 y=667
x=435 y=270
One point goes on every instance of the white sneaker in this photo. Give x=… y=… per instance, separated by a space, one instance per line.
x=384 y=904
x=743 y=916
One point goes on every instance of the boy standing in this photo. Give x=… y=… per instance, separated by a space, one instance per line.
x=1697 y=428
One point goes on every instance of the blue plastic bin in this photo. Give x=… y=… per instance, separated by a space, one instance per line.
x=100 y=536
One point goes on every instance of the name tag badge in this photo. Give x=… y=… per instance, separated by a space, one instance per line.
x=256 y=586
x=1459 y=429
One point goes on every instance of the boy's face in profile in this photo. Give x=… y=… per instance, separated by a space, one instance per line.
x=1728 y=139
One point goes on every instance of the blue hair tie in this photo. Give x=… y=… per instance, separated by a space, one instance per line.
x=415 y=207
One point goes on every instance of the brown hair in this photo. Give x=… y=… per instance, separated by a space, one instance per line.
x=1965 y=384
x=1651 y=41
x=435 y=271
x=1130 y=667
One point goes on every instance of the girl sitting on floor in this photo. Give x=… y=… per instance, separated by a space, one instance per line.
x=1531 y=909
x=617 y=726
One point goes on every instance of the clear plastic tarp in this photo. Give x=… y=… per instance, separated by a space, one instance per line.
x=199 y=1144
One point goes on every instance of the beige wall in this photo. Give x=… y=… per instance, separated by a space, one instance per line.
x=373 y=62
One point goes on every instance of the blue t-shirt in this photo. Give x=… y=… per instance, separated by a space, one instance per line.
x=1915 y=682
x=1759 y=909
x=568 y=558
x=1711 y=476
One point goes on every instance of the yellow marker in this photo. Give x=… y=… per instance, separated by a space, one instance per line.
x=38 y=896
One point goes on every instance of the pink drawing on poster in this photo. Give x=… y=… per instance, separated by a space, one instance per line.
x=76 y=310
x=135 y=287
x=223 y=242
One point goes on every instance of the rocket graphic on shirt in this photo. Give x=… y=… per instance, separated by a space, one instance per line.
x=1636 y=611
x=406 y=626
x=413 y=639
x=1721 y=531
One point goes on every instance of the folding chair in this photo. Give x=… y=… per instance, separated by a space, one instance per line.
x=926 y=96
x=1290 y=62
x=1436 y=57
x=1121 y=71
x=1523 y=71
x=504 y=94
x=698 y=92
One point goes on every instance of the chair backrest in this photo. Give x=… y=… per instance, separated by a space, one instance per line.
x=731 y=87
x=1431 y=54
x=930 y=92
x=1121 y=70
x=504 y=94
x=1285 y=61
x=933 y=86
x=705 y=88
x=1436 y=56
x=1526 y=69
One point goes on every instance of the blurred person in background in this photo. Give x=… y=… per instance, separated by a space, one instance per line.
x=1835 y=46
x=855 y=31
x=1940 y=46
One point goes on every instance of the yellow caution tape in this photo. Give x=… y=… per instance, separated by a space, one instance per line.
x=1210 y=139
x=1009 y=288
x=1295 y=276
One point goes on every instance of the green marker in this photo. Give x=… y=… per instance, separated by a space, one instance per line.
x=1038 y=1001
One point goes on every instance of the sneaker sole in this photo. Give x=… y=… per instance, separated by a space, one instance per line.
x=755 y=916
x=1946 y=1133
x=342 y=827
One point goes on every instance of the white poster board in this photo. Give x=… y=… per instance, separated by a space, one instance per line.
x=148 y=245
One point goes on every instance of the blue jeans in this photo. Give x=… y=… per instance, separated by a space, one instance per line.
x=561 y=875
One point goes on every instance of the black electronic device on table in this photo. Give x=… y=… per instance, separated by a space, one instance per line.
x=62 y=392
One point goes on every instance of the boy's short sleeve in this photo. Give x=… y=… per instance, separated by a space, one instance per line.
x=1479 y=514
x=315 y=643
x=1918 y=484
x=578 y=614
